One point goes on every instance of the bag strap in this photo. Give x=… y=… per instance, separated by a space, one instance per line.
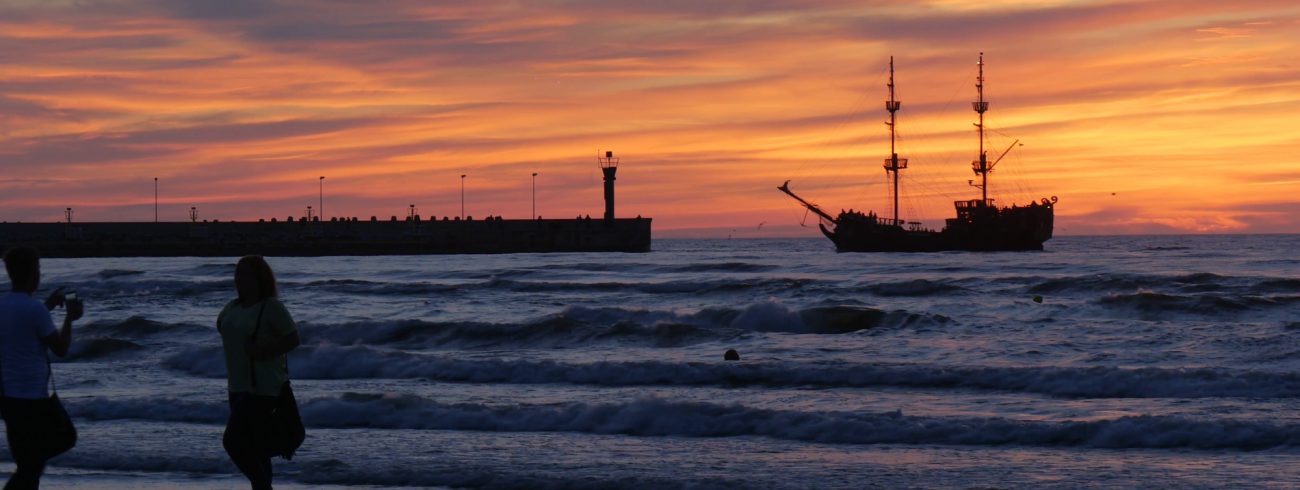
x=252 y=376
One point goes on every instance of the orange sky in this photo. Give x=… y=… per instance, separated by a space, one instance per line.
x=1141 y=116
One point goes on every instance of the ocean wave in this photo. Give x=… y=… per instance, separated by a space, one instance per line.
x=914 y=287
x=329 y=471
x=556 y=331
x=93 y=348
x=731 y=266
x=361 y=362
x=721 y=267
x=218 y=267
x=669 y=287
x=1099 y=282
x=134 y=326
x=111 y=273
x=359 y=286
x=1186 y=283
x=578 y=325
x=124 y=285
x=1152 y=304
x=1278 y=285
x=500 y=281
x=767 y=316
x=334 y=472
x=116 y=461
x=654 y=417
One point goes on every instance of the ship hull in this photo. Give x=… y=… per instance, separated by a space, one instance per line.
x=975 y=230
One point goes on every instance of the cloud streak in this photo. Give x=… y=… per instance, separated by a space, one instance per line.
x=1183 y=109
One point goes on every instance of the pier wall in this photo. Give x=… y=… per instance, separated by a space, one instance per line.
x=323 y=238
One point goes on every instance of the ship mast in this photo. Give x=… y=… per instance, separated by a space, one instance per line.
x=981 y=166
x=893 y=163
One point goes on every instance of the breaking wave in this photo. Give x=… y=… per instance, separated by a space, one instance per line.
x=653 y=417
x=122 y=285
x=361 y=362
x=134 y=326
x=578 y=325
x=767 y=316
x=552 y=332
x=1279 y=285
x=92 y=348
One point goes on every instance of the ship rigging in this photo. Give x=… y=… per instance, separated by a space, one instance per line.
x=979 y=226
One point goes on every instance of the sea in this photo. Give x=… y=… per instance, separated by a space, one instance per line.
x=1128 y=362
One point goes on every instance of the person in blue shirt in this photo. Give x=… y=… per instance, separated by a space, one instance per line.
x=26 y=331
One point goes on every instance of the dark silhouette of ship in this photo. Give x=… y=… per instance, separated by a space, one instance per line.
x=980 y=225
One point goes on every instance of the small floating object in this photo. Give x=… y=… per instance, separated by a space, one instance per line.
x=1038 y=299
x=731 y=355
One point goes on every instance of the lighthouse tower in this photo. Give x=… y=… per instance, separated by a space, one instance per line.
x=609 y=165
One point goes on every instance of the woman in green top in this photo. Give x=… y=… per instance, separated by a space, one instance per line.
x=253 y=394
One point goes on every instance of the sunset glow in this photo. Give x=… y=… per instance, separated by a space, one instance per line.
x=1177 y=116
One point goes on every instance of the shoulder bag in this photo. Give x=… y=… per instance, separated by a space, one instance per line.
x=46 y=417
x=284 y=432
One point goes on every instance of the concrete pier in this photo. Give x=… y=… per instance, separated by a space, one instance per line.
x=302 y=238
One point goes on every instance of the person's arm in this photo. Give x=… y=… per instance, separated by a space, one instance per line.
x=60 y=340
x=277 y=349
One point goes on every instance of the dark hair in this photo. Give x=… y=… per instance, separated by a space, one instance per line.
x=261 y=271
x=22 y=263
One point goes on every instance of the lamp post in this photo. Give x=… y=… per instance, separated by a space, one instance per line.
x=321 y=208
x=462 y=196
x=155 y=199
x=534 y=195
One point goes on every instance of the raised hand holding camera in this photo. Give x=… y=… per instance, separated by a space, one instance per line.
x=57 y=298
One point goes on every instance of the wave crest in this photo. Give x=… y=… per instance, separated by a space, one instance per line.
x=92 y=348
x=654 y=417
x=359 y=362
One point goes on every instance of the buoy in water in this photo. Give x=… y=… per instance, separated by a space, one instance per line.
x=731 y=355
x=1038 y=299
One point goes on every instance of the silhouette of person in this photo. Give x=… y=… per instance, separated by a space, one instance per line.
x=26 y=330
x=253 y=395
